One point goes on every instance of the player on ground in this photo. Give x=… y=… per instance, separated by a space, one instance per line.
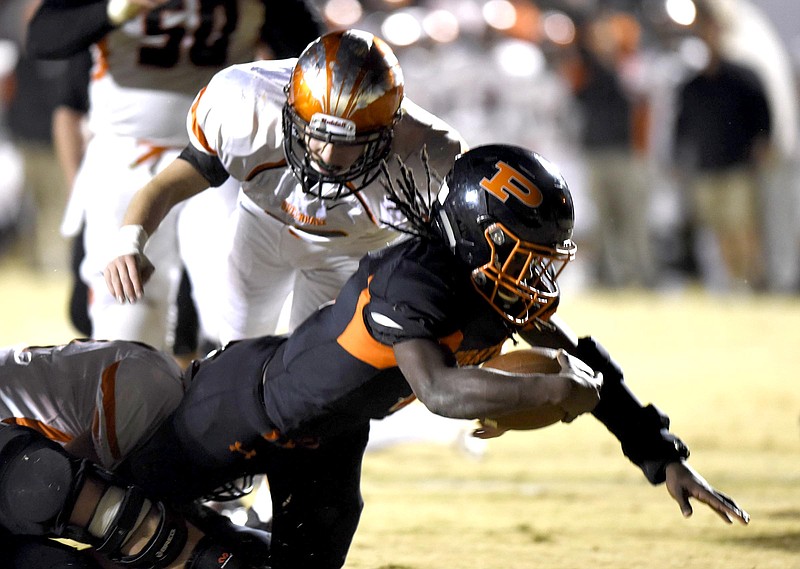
x=150 y=59
x=98 y=400
x=413 y=322
x=305 y=138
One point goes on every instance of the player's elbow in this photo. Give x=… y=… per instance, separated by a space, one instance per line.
x=450 y=403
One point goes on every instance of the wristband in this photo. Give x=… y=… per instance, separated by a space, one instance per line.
x=130 y=240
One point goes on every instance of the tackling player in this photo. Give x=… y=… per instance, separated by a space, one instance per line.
x=150 y=59
x=305 y=138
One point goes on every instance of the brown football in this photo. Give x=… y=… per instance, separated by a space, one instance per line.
x=529 y=360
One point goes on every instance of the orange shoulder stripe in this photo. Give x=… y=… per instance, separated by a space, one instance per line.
x=196 y=130
x=358 y=342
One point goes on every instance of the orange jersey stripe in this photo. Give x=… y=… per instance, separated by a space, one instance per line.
x=50 y=432
x=358 y=342
x=262 y=167
x=153 y=152
x=108 y=388
x=364 y=205
x=196 y=130
x=101 y=65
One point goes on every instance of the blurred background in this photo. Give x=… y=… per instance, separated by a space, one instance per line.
x=594 y=85
x=506 y=71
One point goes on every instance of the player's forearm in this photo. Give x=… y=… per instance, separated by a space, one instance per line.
x=469 y=393
x=151 y=204
x=474 y=392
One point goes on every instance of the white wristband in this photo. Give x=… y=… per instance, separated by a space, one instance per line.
x=120 y=11
x=130 y=240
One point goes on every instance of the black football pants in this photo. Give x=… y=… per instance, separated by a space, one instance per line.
x=215 y=437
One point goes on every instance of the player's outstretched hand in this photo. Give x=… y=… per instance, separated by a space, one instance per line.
x=683 y=482
x=129 y=268
x=126 y=276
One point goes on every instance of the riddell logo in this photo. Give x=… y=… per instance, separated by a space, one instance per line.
x=334 y=121
x=333 y=125
x=508 y=181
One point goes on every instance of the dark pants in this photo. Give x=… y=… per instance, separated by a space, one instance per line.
x=217 y=434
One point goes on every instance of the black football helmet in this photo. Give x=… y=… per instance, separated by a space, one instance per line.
x=507 y=214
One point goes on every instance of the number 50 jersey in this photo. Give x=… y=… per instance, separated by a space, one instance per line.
x=147 y=72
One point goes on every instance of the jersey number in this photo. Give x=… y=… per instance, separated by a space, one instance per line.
x=209 y=46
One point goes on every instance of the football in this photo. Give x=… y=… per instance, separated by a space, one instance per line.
x=529 y=360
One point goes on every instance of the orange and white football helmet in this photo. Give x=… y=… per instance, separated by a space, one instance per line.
x=346 y=89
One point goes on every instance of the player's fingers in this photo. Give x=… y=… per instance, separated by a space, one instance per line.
x=487 y=432
x=737 y=511
x=131 y=282
x=684 y=505
x=111 y=276
x=680 y=494
x=724 y=507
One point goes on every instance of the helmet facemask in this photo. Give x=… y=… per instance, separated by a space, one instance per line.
x=333 y=130
x=520 y=278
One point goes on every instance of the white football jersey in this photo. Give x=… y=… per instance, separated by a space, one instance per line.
x=147 y=72
x=119 y=390
x=238 y=118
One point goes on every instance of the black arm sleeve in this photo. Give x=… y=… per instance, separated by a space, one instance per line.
x=289 y=26
x=62 y=28
x=209 y=166
x=642 y=431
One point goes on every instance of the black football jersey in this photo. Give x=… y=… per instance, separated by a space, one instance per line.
x=338 y=368
x=259 y=396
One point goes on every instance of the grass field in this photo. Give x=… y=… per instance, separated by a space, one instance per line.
x=726 y=370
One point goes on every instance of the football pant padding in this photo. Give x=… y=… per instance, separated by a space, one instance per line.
x=39 y=482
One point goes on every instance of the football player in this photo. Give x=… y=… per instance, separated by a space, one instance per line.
x=480 y=266
x=68 y=415
x=414 y=321
x=150 y=59
x=305 y=138
x=98 y=398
